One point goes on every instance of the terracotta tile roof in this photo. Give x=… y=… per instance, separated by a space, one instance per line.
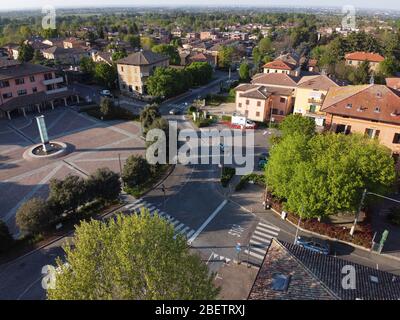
x=276 y=79
x=370 y=102
x=280 y=65
x=312 y=63
x=317 y=82
x=316 y=276
x=259 y=92
x=144 y=57
x=245 y=87
x=364 y=56
x=393 y=83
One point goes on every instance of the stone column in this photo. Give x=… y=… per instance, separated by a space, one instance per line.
x=52 y=104
x=23 y=111
x=77 y=99
x=65 y=102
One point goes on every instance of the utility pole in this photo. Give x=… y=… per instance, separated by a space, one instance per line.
x=353 y=228
x=298 y=226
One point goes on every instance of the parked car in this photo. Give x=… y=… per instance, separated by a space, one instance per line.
x=173 y=111
x=314 y=244
x=262 y=162
x=106 y=93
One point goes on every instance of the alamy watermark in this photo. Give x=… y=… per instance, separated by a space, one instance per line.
x=49 y=19
x=349 y=17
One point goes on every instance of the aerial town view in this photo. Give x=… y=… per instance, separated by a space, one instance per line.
x=208 y=150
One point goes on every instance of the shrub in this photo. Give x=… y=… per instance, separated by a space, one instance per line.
x=105 y=106
x=34 y=216
x=258 y=179
x=6 y=239
x=103 y=184
x=136 y=171
x=226 y=118
x=227 y=175
x=68 y=194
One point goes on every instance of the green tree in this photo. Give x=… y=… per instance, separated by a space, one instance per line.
x=201 y=72
x=168 y=82
x=265 y=46
x=136 y=171
x=361 y=74
x=26 y=53
x=147 y=43
x=34 y=216
x=168 y=50
x=297 y=124
x=148 y=115
x=68 y=194
x=388 y=67
x=105 y=75
x=103 y=184
x=134 y=41
x=6 y=239
x=135 y=257
x=106 y=106
x=119 y=55
x=87 y=65
x=225 y=56
x=244 y=71
x=325 y=174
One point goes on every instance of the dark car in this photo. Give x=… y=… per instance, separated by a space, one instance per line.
x=262 y=162
x=314 y=244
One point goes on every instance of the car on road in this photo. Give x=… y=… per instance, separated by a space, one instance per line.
x=173 y=111
x=314 y=244
x=262 y=162
x=106 y=93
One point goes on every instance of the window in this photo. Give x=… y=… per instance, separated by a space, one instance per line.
x=258 y=103
x=34 y=89
x=313 y=108
x=282 y=100
x=4 y=84
x=130 y=89
x=7 y=95
x=257 y=114
x=240 y=105
x=32 y=78
x=342 y=128
x=280 y=282
x=122 y=69
x=48 y=76
x=19 y=81
x=246 y=113
x=349 y=106
x=377 y=109
x=22 y=92
x=275 y=111
x=372 y=133
x=396 y=138
x=247 y=102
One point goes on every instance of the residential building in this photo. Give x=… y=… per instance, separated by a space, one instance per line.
x=354 y=59
x=65 y=56
x=28 y=87
x=310 y=94
x=290 y=272
x=102 y=57
x=373 y=110
x=261 y=103
x=287 y=63
x=278 y=80
x=134 y=70
x=393 y=83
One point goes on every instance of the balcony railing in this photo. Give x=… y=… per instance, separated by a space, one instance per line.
x=58 y=90
x=53 y=81
x=315 y=101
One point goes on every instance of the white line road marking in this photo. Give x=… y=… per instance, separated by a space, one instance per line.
x=258 y=238
x=269 y=226
x=269 y=231
x=264 y=235
x=257 y=243
x=179 y=227
x=212 y=216
x=190 y=233
x=255 y=255
x=262 y=251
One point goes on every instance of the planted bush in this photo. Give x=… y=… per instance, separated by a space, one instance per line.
x=34 y=216
x=227 y=175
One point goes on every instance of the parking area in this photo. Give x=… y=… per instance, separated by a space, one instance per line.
x=93 y=144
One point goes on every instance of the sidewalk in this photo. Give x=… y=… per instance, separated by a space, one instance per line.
x=235 y=281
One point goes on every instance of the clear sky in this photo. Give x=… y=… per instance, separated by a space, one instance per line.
x=22 y=4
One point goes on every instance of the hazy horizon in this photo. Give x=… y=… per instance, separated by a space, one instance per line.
x=36 y=4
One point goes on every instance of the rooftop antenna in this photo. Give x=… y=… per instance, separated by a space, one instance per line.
x=372 y=80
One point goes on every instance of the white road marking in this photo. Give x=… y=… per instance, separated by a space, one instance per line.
x=253 y=254
x=212 y=216
x=269 y=226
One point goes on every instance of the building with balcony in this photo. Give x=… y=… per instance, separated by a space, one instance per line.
x=134 y=70
x=28 y=87
x=288 y=63
x=372 y=110
x=262 y=103
x=310 y=94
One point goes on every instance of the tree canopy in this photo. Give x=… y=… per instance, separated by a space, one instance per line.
x=326 y=173
x=132 y=257
x=168 y=50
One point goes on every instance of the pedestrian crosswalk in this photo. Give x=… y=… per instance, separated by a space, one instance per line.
x=260 y=241
x=180 y=228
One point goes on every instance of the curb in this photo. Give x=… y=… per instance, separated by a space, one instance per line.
x=337 y=240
